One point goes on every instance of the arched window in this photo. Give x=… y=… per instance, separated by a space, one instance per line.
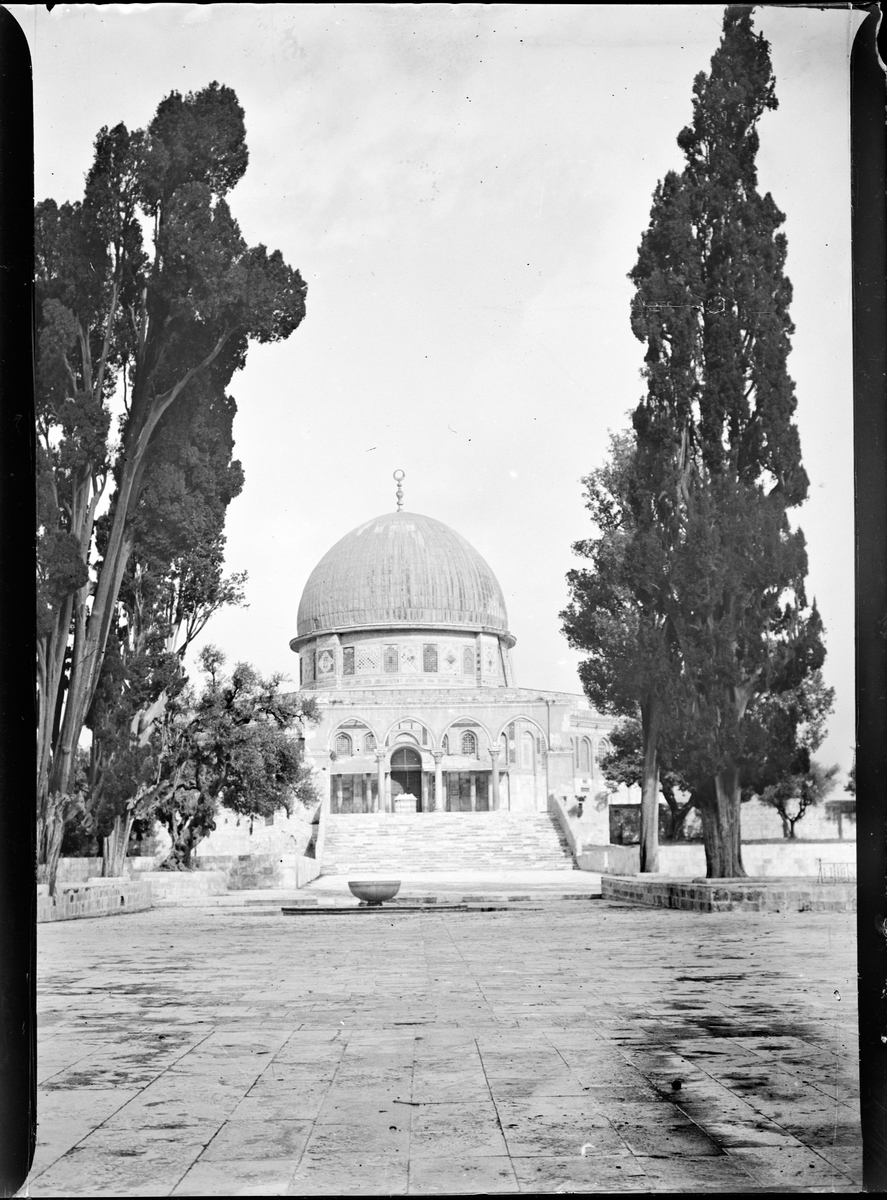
x=343 y=745
x=469 y=744
x=369 y=742
x=585 y=755
x=527 y=749
x=603 y=748
x=468 y=660
x=445 y=744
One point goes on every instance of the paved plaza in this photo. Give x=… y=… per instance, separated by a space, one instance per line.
x=561 y=1046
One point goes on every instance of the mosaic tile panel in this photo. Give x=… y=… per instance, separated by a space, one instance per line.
x=369 y=658
x=326 y=662
x=449 y=664
x=409 y=660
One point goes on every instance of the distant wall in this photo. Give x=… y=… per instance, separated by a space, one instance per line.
x=817 y=824
x=687 y=860
x=759 y=822
x=286 y=836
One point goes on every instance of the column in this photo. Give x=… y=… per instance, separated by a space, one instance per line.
x=339 y=792
x=368 y=793
x=381 y=799
x=473 y=778
x=494 y=798
x=439 y=804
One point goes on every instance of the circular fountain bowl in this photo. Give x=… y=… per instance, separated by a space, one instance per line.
x=374 y=891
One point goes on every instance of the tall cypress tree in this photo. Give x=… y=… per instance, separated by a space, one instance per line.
x=715 y=431
x=150 y=324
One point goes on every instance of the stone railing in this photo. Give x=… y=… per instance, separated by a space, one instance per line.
x=583 y=819
x=557 y=807
x=319 y=842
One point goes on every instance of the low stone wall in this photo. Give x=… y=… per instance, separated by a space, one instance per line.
x=171 y=887
x=248 y=871
x=78 y=870
x=611 y=860
x=98 y=898
x=136 y=865
x=730 y=895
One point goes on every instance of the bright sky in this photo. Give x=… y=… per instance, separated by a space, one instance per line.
x=464 y=189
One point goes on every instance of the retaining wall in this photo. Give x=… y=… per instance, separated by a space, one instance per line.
x=244 y=871
x=98 y=898
x=730 y=895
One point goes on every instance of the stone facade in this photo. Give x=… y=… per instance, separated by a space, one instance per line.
x=456 y=750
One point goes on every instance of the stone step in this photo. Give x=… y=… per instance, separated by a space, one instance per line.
x=444 y=841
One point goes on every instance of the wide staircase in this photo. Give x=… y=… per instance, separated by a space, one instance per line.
x=409 y=843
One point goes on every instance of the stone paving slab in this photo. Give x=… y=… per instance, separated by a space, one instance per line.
x=550 y=1048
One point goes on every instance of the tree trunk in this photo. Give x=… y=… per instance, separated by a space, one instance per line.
x=649 y=836
x=792 y=822
x=114 y=846
x=52 y=813
x=720 y=827
x=185 y=837
x=678 y=820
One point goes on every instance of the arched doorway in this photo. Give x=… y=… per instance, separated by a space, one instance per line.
x=406 y=773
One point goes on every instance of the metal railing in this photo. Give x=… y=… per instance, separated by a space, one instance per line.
x=830 y=872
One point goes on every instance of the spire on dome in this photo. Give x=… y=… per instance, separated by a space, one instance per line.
x=399 y=477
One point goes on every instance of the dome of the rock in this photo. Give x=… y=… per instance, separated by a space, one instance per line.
x=399 y=570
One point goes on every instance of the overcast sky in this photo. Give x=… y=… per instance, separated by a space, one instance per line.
x=464 y=189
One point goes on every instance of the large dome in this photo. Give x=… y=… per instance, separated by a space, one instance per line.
x=401 y=569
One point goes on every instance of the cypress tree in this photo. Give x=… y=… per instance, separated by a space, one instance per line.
x=715 y=430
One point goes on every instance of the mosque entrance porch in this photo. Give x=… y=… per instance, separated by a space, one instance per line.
x=407 y=777
x=467 y=791
x=461 y=791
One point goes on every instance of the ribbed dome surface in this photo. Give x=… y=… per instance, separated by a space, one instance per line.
x=401 y=569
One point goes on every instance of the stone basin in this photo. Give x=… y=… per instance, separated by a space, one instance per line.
x=374 y=891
